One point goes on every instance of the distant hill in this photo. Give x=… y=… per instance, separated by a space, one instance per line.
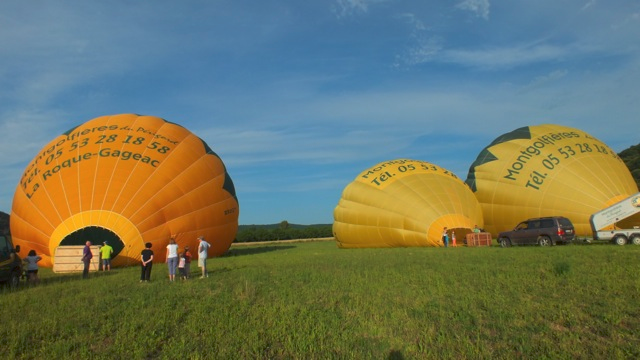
x=631 y=157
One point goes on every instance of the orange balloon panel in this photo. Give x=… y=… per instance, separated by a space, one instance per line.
x=128 y=180
x=404 y=203
x=547 y=170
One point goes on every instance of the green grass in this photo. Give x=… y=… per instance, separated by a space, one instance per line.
x=314 y=301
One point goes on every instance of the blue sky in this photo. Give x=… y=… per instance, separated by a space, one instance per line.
x=298 y=97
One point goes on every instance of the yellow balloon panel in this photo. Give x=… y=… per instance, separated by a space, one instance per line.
x=402 y=203
x=126 y=179
x=547 y=170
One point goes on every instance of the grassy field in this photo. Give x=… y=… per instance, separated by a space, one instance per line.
x=314 y=301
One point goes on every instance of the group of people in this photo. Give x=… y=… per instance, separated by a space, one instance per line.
x=176 y=261
x=445 y=236
x=106 y=251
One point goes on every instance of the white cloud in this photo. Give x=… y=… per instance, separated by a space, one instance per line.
x=413 y=20
x=344 y=8
x=426 y=50
x=545 y=79
x=479 y=7
x=589 y=4
x=507 y=57
x=432 y=49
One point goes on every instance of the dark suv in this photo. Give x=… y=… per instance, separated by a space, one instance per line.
x=10 y=262
x=544 y=231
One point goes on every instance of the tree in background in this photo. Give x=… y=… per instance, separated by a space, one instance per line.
x=631 y=158
x=282 y=231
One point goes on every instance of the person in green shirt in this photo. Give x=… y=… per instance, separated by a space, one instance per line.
x=105 y=253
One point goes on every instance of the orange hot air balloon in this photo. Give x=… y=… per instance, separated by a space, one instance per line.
x=126 y=179
x=547 y=170
x=404 y=203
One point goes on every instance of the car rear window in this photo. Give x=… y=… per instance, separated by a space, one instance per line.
x=565 y=222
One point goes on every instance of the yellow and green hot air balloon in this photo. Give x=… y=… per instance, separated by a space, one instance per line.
x=402 y=203
x=126 y=179
x=547 y=170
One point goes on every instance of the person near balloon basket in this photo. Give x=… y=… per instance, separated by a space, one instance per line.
x=445 y=237
x=105 y=253
x=86 y=259
x=32 y=267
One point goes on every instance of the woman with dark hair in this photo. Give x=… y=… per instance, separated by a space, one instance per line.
x=147 y=263
x=32 y=266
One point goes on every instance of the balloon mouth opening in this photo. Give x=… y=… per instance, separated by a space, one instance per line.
x=97 y=236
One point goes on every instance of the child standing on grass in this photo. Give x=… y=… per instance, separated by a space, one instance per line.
x=181 y=263
x=32 y=266
x=187 y=261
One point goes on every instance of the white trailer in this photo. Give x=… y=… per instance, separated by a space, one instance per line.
x=604 y=222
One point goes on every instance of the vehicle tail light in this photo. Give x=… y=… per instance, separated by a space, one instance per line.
x=560 y=232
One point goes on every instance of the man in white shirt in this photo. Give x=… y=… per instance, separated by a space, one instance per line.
x=203 y=248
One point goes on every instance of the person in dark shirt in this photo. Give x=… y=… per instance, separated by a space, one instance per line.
x=147 y=263
x=86 y=259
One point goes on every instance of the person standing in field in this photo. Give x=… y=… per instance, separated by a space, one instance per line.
x=32 y=266
x=187 y=262
x=86 y=259
x=105 y=254
x=445 y=237
x=181 y=264
x=172 y=258
x=147 y=263
x=453 y=239
x=203 y=249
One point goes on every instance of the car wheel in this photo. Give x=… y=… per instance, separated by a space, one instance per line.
x=544 y=241
x=14 y=281
x=505 y=242
x=635 y=239
x=620 y=240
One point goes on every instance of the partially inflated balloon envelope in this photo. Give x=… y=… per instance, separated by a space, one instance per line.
x=402 y=203
x=547 y=170
x=128 y=180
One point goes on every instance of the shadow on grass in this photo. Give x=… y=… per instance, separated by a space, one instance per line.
x=50 y=279
x=256 y=250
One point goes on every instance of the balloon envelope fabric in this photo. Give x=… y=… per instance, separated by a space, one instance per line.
x=402 y=203
x=128 y=180
x=547 y=170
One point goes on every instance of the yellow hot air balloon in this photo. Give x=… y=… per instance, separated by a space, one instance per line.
x=126 y=179
x=402 y=203
x=547 y=170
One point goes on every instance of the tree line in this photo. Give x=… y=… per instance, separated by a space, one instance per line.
x=282 y=231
